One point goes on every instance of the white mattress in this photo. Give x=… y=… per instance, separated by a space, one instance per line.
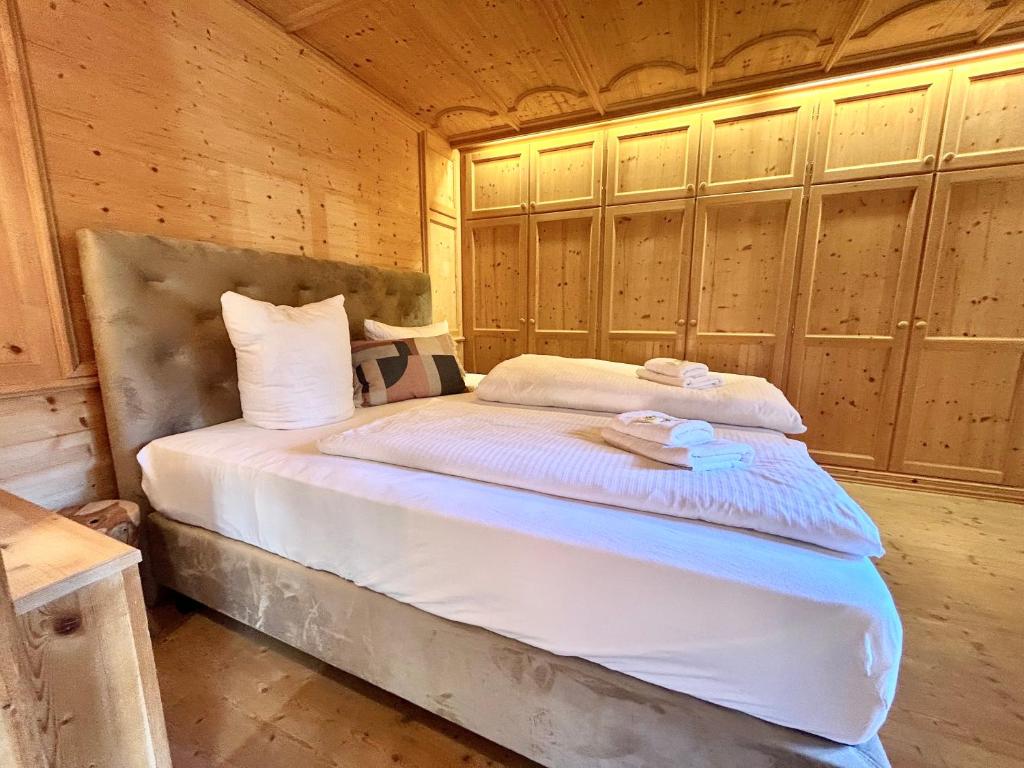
x=790 y=633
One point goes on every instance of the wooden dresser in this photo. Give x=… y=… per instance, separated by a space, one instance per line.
x=77 y=682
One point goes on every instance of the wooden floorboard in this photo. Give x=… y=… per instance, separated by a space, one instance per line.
x=234 y=698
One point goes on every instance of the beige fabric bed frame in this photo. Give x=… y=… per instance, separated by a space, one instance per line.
x=166 y=366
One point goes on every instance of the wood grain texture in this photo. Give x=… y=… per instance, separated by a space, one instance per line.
x=741 y=281
x=985 y=119
x=645 y=268
x=861 y=257
x=653 y=159
x=235 y=697
x=969 y=320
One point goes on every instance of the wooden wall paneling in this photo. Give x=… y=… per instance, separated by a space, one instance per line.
x=880 y=127
x=741 y=281
x=495 y=269
x=566 y=171
x=53 y=447
x=861 y=256
x=985 y=118
x=35 y=348
x=962 y=411
x=653 y=159
x=281 y=153
x=564 y=253
x=444 y=260
x=496 y=180
x=760 y=144
x=440 y=175
x=645 y=264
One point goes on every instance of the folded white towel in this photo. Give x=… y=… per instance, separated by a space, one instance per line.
x=663 y=429
x=716 y=454
x=670 y=366
x=707 y=381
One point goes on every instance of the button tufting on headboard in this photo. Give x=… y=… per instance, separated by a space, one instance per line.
x=165 y=362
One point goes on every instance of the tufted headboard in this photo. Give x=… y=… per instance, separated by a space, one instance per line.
x=165 y=362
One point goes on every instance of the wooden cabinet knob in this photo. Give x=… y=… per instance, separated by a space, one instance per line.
x=680 y=322
x=533 y=206
x=929 y=159
x=532 y=321
x=689 y=187
x=921 y=324
x=703 y=186
x=948 y=156
x=693 y=323
x=522 y=206
x=522 y=320
x=903 y=324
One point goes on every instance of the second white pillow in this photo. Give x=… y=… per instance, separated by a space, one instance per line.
x=294 y=363
x=374 y=330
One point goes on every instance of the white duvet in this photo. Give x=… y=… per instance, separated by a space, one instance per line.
x=600 y=385
x=783 y=493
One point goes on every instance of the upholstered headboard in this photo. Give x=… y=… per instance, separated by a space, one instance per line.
x=165 y=362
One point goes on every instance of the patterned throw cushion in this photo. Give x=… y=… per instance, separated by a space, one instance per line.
x=401 y=369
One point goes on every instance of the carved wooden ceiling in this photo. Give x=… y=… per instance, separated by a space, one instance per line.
x=481 y=68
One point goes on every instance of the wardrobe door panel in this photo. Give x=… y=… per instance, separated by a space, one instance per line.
x=759 y=145
x=564 y=253
x=496 y=181
x=566 y=171
x=653 y=160
x=881 y=127
x=742 y=281
x=862 y=251
x=962 y=412
x=495 y=273
x=985 y=118
x=646 y=261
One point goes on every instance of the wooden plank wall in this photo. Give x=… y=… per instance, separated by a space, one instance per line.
x=194 y=120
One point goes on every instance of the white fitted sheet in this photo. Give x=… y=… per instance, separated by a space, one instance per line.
x=791 y=633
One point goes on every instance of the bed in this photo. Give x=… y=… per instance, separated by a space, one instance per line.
x=365 y=565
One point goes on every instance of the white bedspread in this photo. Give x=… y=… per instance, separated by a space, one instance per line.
x=600 y=385
x=790 y=633
x=783 y=493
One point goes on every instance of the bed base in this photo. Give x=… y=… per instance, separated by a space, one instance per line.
x=562 y=712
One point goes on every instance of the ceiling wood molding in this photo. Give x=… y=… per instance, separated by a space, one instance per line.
x=706 y=26
x=673 y=65
x=312 y=14
x=575 y=53
x=845 y=32
x=993 y=25
x=546 y=89
x=441 y=114
x=880 y=22
x=806 y=34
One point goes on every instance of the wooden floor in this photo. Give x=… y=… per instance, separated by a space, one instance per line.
x=235 y=698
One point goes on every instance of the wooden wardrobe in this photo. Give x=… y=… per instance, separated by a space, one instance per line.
x=860 y=244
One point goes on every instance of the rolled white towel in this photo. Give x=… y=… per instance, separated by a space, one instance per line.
x=716 y=454
x=707 y=381
x=670 y=366
x=663 y=429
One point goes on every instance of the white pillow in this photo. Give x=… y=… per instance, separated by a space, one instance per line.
x=378 y=331
x=294 y=363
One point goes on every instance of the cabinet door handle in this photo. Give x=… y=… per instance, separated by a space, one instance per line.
x=693 y=323
x=903 y=324
x=680 y=322
x=533 y=206
x=532 y=321
x=522 y=206
x=948 y=156
x=921 y=324
x=689 y=188
x=929 y=159
x=522 y=320
x=703 y=186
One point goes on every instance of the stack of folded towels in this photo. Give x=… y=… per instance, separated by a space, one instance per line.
x=679 y=373
x=688 y=443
